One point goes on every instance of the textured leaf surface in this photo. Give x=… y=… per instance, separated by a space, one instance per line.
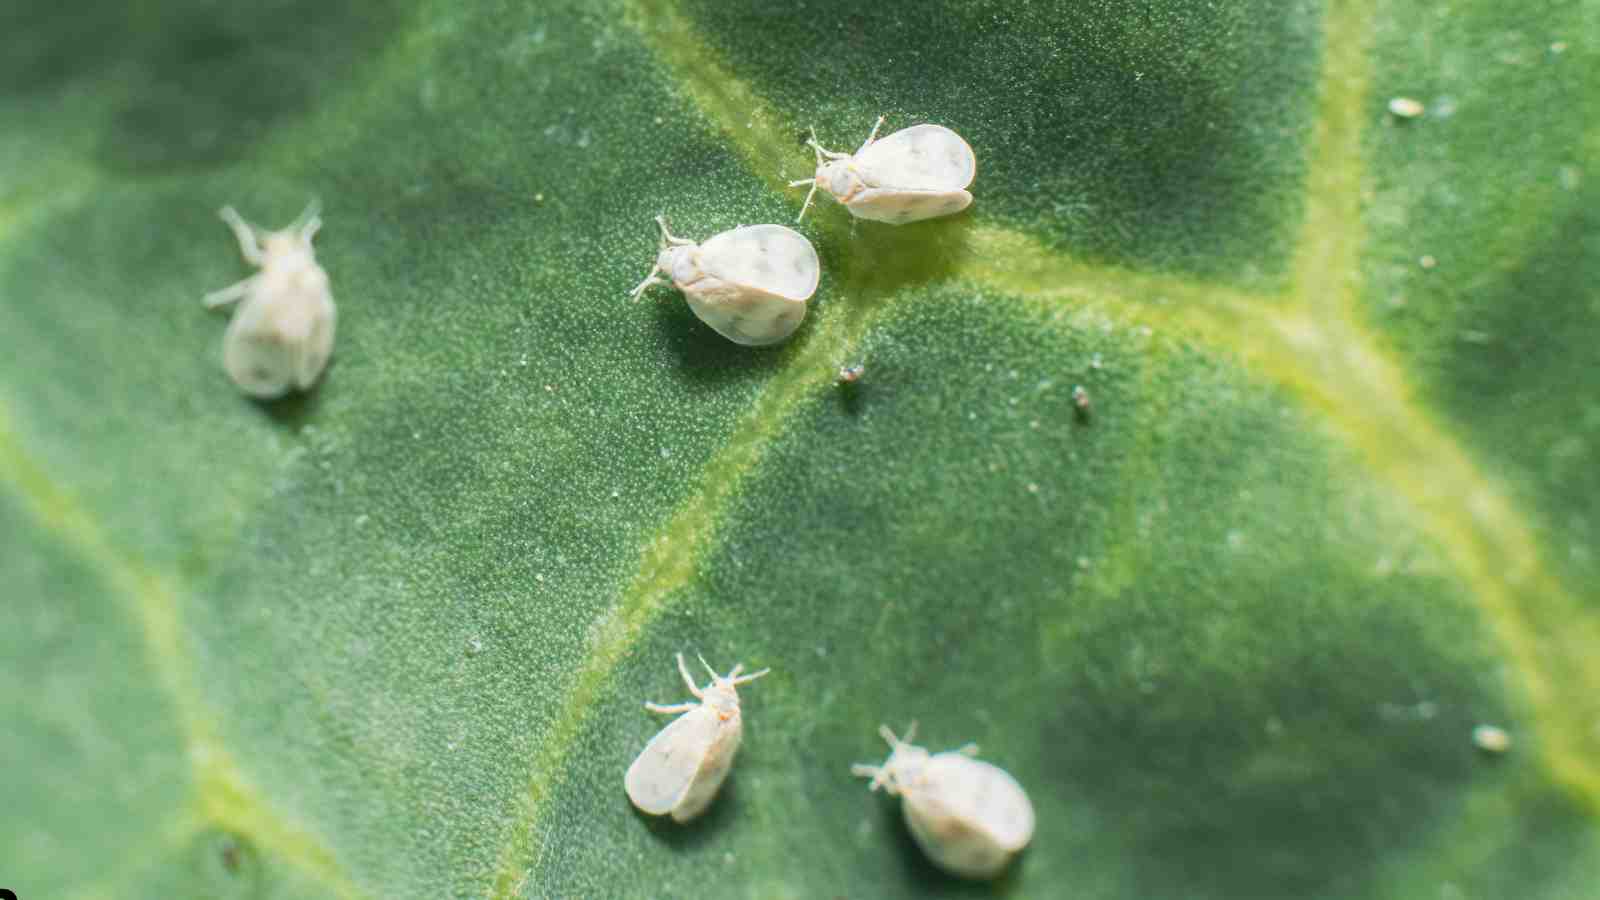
x=1333 y=505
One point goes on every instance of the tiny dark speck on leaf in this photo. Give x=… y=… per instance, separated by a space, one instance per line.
x=1081 y=403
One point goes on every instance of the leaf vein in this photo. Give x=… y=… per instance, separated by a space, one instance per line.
x=223 y=795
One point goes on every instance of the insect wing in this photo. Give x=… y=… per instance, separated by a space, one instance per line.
x=954 y=844
x=666 y=766
x=770 y=258
x=745 y=315
x=318 y=343
x=714 y=768
x=983 y=795
x=968 y=816
x=257 y=356
x=897 y=207
x=919 y=158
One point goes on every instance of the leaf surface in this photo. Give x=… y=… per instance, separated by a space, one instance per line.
x=1330 y=505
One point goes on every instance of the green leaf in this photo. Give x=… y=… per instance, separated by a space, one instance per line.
x=1332 y=505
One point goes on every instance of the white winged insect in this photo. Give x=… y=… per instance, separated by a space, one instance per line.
x=682 y=767
x=281 y=336
x=750 y=284
x=970 y=817
x=916 y=173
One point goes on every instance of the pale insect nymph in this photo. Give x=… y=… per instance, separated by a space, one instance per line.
x=970 y=817
x=281 y=336
x=916 y=173
x=749 y=284
x=682 y=767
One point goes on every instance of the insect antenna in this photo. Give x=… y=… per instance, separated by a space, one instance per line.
x=873 y=136
x=822 y=156
x=306 y=225
x=894 y=742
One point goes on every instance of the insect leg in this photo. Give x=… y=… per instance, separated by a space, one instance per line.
x=809 y=194
x=878 y=774
x=230 y=293
x=648 y=280
x=736 y=678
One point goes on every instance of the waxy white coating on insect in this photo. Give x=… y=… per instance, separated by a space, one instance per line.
x=750 y=284
x=1491 y=738
x=916 y=173
x=1406 y=108
x=281 y=336
x=970 y=817
x=682 y=767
